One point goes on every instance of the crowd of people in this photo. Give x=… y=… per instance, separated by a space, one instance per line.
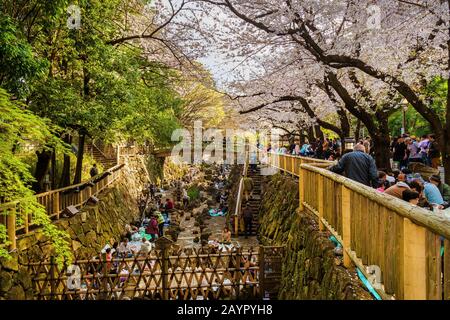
x=328 y=149
x=406 y=149
x=431 y=193
x=359 y=165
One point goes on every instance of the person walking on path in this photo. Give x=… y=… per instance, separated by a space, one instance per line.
x=248 y=187
x=358 y=166
x=248 y=219
x=94 y=170
x=400 y=155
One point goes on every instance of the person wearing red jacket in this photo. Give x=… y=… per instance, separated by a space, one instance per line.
x=152 y=228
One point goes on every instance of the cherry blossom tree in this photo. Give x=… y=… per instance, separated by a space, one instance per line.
x=372 y=54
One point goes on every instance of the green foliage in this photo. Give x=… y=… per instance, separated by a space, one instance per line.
x=436 y=96
x=18 y=65
x=19 y=128
x=75 y=81
x=193 y=192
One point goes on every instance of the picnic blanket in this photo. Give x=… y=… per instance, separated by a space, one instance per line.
x=216 y=213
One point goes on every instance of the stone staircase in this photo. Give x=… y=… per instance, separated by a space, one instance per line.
x=255 y=201
x=100 y=157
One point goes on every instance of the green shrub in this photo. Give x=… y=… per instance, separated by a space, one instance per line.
x=193 y=193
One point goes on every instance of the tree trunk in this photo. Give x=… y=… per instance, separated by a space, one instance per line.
x=65 y=174
x=42 y=166
x=444 y=147
x=358 y=130
x=446 y=164
x=79 y=166
x=54 y=173
x=311 y=137
x=319 y=133
x=382 y=150
x=446 y=143
x=302 y=137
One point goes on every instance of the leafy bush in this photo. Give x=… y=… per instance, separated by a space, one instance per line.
x=193 y=192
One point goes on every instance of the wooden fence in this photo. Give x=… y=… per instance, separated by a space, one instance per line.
x=407 y=247
x=186 y=274
x=291 y=164
x=18 y=222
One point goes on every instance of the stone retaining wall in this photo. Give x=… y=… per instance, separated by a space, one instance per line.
x=311 y=269
x=89 y=232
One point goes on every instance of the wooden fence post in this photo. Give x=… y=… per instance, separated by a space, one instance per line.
x=11 y=224
x=301 y=183
x=237 y=274
x=52 y=278
x=56 y=204
x=164 y=244
x=293 y=167
x=346 y=219
x=26 y=222
x=320 y=201
x=261 y=272
x=414 y=261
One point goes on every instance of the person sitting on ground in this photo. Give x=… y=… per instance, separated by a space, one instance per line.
x=129 y=231
x=168 y=206
x=432 y=193
x=124 y=249
x=146 y=247
x=223 y=208
x=223 y=198
x=382 y=182
x=411 y=196
x=152 y=228
x=397 y=189
x=226 y=235
x=358 y=166
x=390 y=179
x=108 y=258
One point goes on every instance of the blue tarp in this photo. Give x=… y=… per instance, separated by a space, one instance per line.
x=216 y=213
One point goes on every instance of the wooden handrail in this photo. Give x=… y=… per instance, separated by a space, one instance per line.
x=378 y=232
x=426 y=218
x=75 y=186
x=55 y=201
x=237 y=210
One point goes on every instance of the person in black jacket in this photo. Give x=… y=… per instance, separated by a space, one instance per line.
x=358 y=165
x=400 y=153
